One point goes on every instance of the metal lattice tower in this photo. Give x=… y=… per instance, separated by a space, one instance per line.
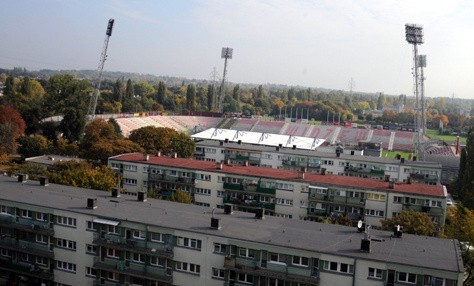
x=103 y=57
x=414 y=36
x=226 y=54
x=214 y=78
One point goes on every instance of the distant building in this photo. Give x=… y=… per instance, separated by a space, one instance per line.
x=48 y=160
x=61 y=235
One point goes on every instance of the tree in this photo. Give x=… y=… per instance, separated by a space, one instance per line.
x=100 y=151
x=117 y=130
x=466 y=172
x=73 y=123
x=191 y=97
x=380 y=101
x=63 y=92
x=210 y=96
x=95 y=131
x=236 y=93
x=117 y=92
x=181 y=197
x=161 y=93
x=412 y=222
x=183 y=145
x=34 y=145
x=12 y=126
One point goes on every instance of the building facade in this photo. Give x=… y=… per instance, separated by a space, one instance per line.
x=61 y=235
x=340 y=162
x=291 y=194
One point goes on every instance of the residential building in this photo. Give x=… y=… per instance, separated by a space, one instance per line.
x=338 y=162
x=62 y=235
x=286 y=193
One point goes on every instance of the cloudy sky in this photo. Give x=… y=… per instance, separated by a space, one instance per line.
x=313 y=43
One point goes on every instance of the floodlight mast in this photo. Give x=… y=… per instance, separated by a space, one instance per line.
x=226 y=54
x=103 y=57
x=414 y=36
x=422 y=65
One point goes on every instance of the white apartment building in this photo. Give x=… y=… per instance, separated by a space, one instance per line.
x=284 y=193
x=62 y=235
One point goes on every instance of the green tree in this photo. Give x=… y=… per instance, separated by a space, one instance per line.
x=181 y=197
x=466 y=172
x=236 y=93
x=412 y=222
x=210 y=97
x=191 y=97
x=34 y=145
x=161 y=93
x=117 y=92
x=63 y=92
x=73 y=123
x=144 y=89
x=183 y=145
x=380 y=101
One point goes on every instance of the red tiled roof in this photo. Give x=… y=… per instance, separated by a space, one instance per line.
x=279 y=174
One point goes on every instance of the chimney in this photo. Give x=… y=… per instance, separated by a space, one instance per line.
x=398 y=156
x=228 y=209
x=146 y=157
x=219 y=166
x=278 y=148
x=402 y=160
x=175 y=155
x=391 y=185
x=259 y=213
x=91 y=203
x=221 y=143
x=22 y=178
x=387 y=178
x=361 y=226
x=226 y=140
x=239 y=142
x=409 y=180
x=365 y=245
x=280 y=145
x=141 y=196
x=44 y=181
x=215 y=223
x=398 y=231
x=414 y=158
x=115 y=193
x=294 y=147
x=227 y=162
x=304 y=169
x=301 y=175
x=323 y=171
x=158 y=154
x=245 y=164
x=352 y=152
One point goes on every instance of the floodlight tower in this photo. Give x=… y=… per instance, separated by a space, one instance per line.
x=103 y=57
x=422 y=65
x=226 y=54
x=414 y=36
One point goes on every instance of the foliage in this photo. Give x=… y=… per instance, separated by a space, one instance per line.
x=465 y=190
x=34 y=171
x=181 y=197
x=33 y=145
x=413 y=222
x=101 y=150
x=73 y=123
x=82 y=174
x=12 y=126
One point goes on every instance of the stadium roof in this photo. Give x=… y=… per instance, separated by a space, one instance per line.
x=258 y=138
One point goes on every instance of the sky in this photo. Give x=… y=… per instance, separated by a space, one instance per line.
x=310 y=43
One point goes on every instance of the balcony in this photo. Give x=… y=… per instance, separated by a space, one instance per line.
x=266 y=190
x=249 y=203
x=26 y=269
x=234 y=186
x=273 y=270
x=294 y=163
x=171 y=179
x=25 y=224
x=134 y=269
x=27 y=247
x=136 y=245
x=367 y=171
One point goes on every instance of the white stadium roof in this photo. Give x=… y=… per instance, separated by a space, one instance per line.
x=267 y=139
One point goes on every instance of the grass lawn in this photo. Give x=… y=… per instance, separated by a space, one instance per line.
x=448 y=138
x=393 y=154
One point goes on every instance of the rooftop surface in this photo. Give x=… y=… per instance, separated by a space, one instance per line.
x=280 y=174
x=419 y=251
x=315 y=153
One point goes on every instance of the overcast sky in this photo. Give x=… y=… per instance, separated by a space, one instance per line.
x=313 y=43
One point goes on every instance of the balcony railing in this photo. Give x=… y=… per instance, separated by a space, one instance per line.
x=279 y=271
x=27 y=247
x=171 y=179
x=26 y=224
x=136 y=245
x=25 y=269
x=140 y=270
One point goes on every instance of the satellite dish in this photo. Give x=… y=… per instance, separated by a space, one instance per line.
x=359 y=224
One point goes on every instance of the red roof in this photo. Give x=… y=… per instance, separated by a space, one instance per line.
x=279 y=174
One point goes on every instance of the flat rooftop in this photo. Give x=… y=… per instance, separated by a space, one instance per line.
x=419 y=251
x=280 y=174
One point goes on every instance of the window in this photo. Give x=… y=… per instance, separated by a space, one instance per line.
x=137 y=257
x=129 y=181
x=67 y=221
x=200 y=191
x=338 y=267
x=218 y=273
x=155 y=236
x=26 y=213
x=220 y=193
x=285 y=202
x=188 y=267
x=245 y=278
x=189 y=242
x=131 y=168
x=114 y=166
x=66 y=266
x=114 y=253
x=300 y=261
x=92 y=272
x=6 y=252
x=41 y=260
x=406 y=277
x=374 y=213
x=91 y=249
x=220 y=248
x=203 y=177
x=397 y=200
x=42 y=238
x=376 y=197
x=285 y=186
x=6 y=210
x=137 y=234
x=375 y=273
x=113 y=276
x=64 y=243
x=91 y=226
x=41 y=216
x=277 y=258
x=157 y=261
x=246 y=252
x=113 y=229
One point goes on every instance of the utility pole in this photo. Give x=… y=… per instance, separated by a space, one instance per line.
x=103 y=57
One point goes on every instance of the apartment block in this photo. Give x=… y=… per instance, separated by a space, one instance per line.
x=285 y=193
x=339 y=162
x=61 y=235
